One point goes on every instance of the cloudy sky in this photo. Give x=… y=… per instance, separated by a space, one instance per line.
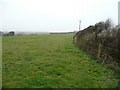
x=55 y=15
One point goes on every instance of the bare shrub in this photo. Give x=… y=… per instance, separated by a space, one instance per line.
x=102 y=41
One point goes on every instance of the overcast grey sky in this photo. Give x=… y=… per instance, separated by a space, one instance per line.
x=55 y=15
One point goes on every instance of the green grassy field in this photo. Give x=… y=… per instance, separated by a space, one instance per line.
x=51 y=61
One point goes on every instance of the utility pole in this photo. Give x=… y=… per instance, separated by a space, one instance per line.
x=79 y=25
x=119 y=13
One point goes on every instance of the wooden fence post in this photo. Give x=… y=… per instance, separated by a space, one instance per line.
x=99 y=51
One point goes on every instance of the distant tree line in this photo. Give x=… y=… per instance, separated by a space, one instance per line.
x=11 y=33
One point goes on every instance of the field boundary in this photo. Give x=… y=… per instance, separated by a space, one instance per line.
x=101 y=43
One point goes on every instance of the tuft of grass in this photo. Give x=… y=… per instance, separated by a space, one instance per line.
x=51 y=61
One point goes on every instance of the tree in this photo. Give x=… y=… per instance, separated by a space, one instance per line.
x=11 y=33
x=108 y=24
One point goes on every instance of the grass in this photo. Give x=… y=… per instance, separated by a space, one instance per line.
x=51 y=61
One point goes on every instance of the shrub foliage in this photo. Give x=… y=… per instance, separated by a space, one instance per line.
x=102 y=41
